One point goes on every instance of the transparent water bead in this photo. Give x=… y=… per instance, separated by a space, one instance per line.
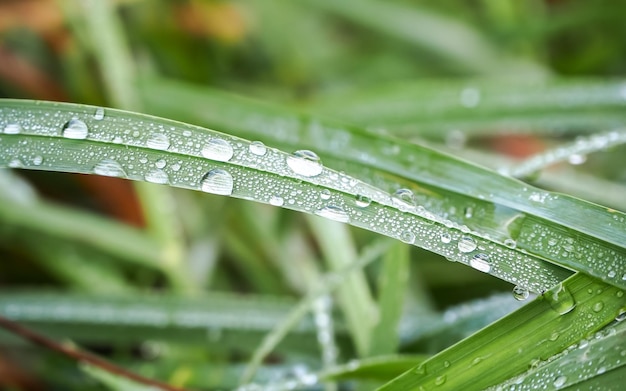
x=12 y=129
x=109 y=167
x=161 y=163
x=325 y=194
x=520 y=293
x=257 y=148
x=481 y=262
x=75 y=129
x=218 y=149
x=445 y=238
x=158 y=141
x=362 y=201
x=157 y=176
x=305 y=163
x=334 y=213
x=407 y=237
x=469 y=97
x=559 y=381
x=403 y=199
x=37 y=160
x=277 y=200
x=560 y=299
x=99 y=114
x=217 y=181
x=466 y=244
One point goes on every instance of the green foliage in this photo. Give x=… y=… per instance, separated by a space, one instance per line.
x=395 y=130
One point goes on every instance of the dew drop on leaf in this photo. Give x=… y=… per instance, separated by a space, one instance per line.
x=157 y=176
x=218 y=149
x=217 y=181
x=334 y=213
x=325 y=194
x=560 y=381
x=160 y=163
x=560 y=299
x=597 y=307
x=37 y=160
x=305 y=163
x=257 y=148
x=481 y=262
x=109 y=167
x=466 y=244
x=403 y=199
x=407 y=237
x=12 y=129
x=520 y=293
x=99 y=114
x=158 y=141
x=362 y=201
x=446 y=238
x=440 y=380
x=75 y=129
x=510 y=243
x=277 y=200
x=469 y=97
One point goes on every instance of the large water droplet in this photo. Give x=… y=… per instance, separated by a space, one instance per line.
x=510 y=243
x=257 y=148
x=520 y=293
x=157 y=176
x=277 y=200
x=158 y=141
x=481 y=262
x=362 y=201
x=325 y=194
x=466 y=244
x=407 y=237
x=305 y=163
x=560 y=381
x=161 y=163
x=445 y=238
x=12 y=129
x=334 y=213
x=440 y=380
x=403 y=199
x=560 y=299
x=99 y=114
x=597 y=307
x=75 y=129
x=37 y=160
x=217 y=181
x=218 y=149
x=109 y=167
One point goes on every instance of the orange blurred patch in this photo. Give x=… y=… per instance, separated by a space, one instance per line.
x=517 y=145
x=219 y=20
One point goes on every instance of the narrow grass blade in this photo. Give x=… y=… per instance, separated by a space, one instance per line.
x=392 y=283
x=374 y=368
x=547 y=326
x=507 y=211
x=581 y=362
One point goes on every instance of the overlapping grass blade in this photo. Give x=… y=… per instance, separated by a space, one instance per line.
x=165 y=152
x=561 y=229
x=547 y=326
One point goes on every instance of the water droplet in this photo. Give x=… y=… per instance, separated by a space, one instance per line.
x=75 y=129
x=468 y=212
x=621 y=316
x=481 y=263
x=420 y=370
x=446 y=364
x=217 y=181
x=160 y=163
x=218 y=149
x=277 y=200
x=560 y=299
x=466 y=244
x=560 y=381
x=16 y=163
x=601 y=370
x=334 y=213
x=407 y=237
x=520 y=293
x=12 y=129
x=362 y=201
x=470 y=97
x=99 y=114
x=108 y=167
x=554 y=336
x=257 y=148
x=577 y=159
x=37 y=160
x=325 y=194
x=403 y=199
x=597 y=307
x=510 y=243
x=157 y=176
x=305 y=163
x=158 y=141
x=611 y=274
x=445 y=238
x=439 y=380
x=538 y=197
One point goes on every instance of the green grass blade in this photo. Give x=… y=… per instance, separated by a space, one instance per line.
x=481 y=107
x=392 y=283
x=581 y=362
x=539 y=222
x=374 y=368
x=537 y=331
